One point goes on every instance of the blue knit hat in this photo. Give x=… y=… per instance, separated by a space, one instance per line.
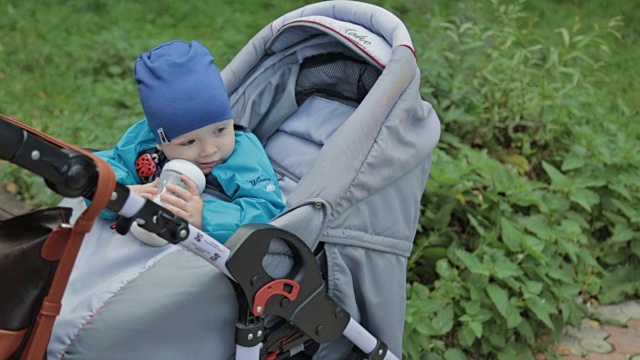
x=180 y=89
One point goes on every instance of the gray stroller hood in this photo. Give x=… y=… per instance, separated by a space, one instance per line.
x=357 y=176
x=332 y=91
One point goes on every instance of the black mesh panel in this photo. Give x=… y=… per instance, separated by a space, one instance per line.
x=335 y=76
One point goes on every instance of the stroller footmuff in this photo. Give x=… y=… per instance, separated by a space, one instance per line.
x=332 y=91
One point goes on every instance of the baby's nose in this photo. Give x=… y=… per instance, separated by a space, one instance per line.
x=209 y=148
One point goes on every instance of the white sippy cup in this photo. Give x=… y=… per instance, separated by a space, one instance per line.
x=171 y=173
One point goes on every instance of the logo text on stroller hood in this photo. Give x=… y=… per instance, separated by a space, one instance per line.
x=353 y=33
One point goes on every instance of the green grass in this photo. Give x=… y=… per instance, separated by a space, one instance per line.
x=622 y=63
x=66 y=67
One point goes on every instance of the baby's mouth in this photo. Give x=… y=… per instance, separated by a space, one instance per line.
x=207 y=165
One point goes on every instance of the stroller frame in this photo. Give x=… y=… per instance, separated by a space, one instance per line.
x=300 y=298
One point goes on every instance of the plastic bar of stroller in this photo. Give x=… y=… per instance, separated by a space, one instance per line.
x=248 y=353
x=366 y=342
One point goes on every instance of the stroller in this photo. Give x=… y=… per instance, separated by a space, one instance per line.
x=332 y=91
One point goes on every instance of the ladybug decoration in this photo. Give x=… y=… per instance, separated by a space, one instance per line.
x=146 y=165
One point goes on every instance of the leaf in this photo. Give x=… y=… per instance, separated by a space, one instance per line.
x=515 y=350
x=622 y=233
x=635 y=247
x=524 y=328
x=443 y=322
x=471 y=307
x=533 y=246
x=513 y=317
x=533 y=287
x=620 y=284
x=431 y=306
x=454 y=354
x=541 y=310
x=630 y=212
x=539 y=225
x=570 y=249
x=587 y=182
x=511 y=236
x=565 y=36
x=499 y=297
x=519 y=162
x=576 y=315
x=577 y=219
x=504 y=268
x=615 y=218
x=444 y=269
x=476 y=327
x=442 y=218
x=569 y=291
x=574 y=160
x=561 y=274
x=584 y=197
x=476 y=225
x=585 y=255
x=571 y=227
x=426 y=328
x=614 y=256
x=558 y=180
x=553 y=203
x=471 y=262
x=473 y=45
x=466 y=336
x=417 y=290
x=620 y=189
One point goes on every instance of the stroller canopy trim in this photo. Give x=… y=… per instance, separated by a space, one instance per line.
x=357 y=38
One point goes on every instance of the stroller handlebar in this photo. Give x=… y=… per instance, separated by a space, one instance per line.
x=13 y=137
x=65 y=171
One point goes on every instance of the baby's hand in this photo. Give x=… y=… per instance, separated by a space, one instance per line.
x=147 y=191
x=187 y=203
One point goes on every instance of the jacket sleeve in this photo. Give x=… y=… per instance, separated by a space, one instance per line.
x=249 y=179
x=123 y=156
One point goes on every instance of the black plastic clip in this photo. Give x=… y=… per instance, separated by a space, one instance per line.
x=249 y=335
x=379 y=352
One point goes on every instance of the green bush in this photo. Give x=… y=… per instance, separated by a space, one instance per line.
x=529 y=208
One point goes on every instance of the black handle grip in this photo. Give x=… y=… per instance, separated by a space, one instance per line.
x=12 y=138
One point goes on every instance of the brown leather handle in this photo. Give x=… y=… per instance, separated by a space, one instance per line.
x=40 y=336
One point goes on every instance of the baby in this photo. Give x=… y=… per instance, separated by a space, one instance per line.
x=188 y=116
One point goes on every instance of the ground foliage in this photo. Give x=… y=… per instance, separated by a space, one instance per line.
x=531 y=207
x=530 y=210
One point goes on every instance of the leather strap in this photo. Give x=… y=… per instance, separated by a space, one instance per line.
x=41 y=334
x=10 y=341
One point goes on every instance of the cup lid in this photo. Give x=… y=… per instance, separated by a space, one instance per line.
x=187 y=168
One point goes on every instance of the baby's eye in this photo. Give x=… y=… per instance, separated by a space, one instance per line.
x=187 y=143
x=220 y=130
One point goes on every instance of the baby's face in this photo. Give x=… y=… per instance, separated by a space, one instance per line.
x=206 y=147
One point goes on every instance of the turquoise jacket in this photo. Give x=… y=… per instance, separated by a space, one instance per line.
x=247 y=177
